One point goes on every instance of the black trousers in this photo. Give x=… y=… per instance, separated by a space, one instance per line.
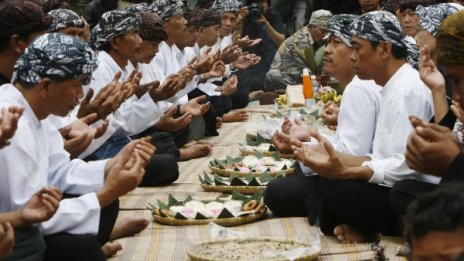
x=295 y=196
x=210 y=116
x=405 y=191
x=70 y=247
x=162 y=168
x=361 y=205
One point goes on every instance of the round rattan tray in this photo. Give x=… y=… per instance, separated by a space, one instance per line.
x=227 y=173
x=312 y=253
x=246 y=190
x=227 y=222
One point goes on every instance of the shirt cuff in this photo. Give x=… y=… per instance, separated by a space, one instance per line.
x=378 y=176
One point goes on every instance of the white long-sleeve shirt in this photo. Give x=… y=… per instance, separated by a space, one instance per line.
x=169 y=60
x=357 y=118
x=403 y=95
x=134 y=115
x=36 y=158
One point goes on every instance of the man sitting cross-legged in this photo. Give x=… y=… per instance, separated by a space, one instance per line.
x=356 y=188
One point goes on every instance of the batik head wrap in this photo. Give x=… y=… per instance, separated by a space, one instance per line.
x=430 y=17
x=167 y=9
x=152 y=28
x=56 y=56
x=207 y=18
x=382 y=26
x=141 y=7
x=450 y=39
x=63 y=18
x=413 y=4
x=113 y=23
x=339 y=26
x=223 y=6
x=320 y=18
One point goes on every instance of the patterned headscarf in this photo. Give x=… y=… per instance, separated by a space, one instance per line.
x=141 y=7
x=21 y=17
x=413 y=4
x=320 y=18
x=207 y=18
x=450 y=39
x=430 y=17
x=223 y=6
x=339 y=26
x=63 y=18
x=152 y=28
x=113 y=23
x=167 y=9
x=57 y=56
x=382 y=26
x=50 y=5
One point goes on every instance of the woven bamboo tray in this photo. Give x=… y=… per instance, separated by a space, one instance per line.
x=227 y=173
x=246 y=190
x=266 y=153
x=227 y=222
x=193 y=251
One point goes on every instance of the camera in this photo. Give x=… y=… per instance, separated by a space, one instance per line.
x=256 y=9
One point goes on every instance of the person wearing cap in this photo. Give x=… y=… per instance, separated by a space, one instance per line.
x=356 y=127
x=356 y=188
x=408 y=17
x=288 y=64
x=20 y=22
x=66 y=21
x=431 y=148
x=48 y=80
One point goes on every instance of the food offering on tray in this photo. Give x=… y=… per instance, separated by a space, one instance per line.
x=234 y=210
x=266 y=149
x=254 y=164
x=254 y=248
x=246 y=185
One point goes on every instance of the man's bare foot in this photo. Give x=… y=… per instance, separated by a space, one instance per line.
x=190 y=143
x=128 y=226
x=195 y=151
x=346 y=234
x=255 y=95
x=111 y=248
x=218 y=122
x=235 y=116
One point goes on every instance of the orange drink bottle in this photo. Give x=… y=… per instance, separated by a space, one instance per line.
x=308 y=88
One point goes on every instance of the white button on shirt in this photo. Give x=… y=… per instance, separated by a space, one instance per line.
x=36 y=158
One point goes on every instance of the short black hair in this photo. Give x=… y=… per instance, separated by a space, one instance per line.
x=397 y=52
x=440 y=210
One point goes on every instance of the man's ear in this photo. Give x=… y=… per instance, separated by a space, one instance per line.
x=385 y=50
x=114 y=43
x=17 y=44
x=44 y=87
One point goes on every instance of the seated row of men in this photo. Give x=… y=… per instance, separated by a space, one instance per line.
x=139 y=105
